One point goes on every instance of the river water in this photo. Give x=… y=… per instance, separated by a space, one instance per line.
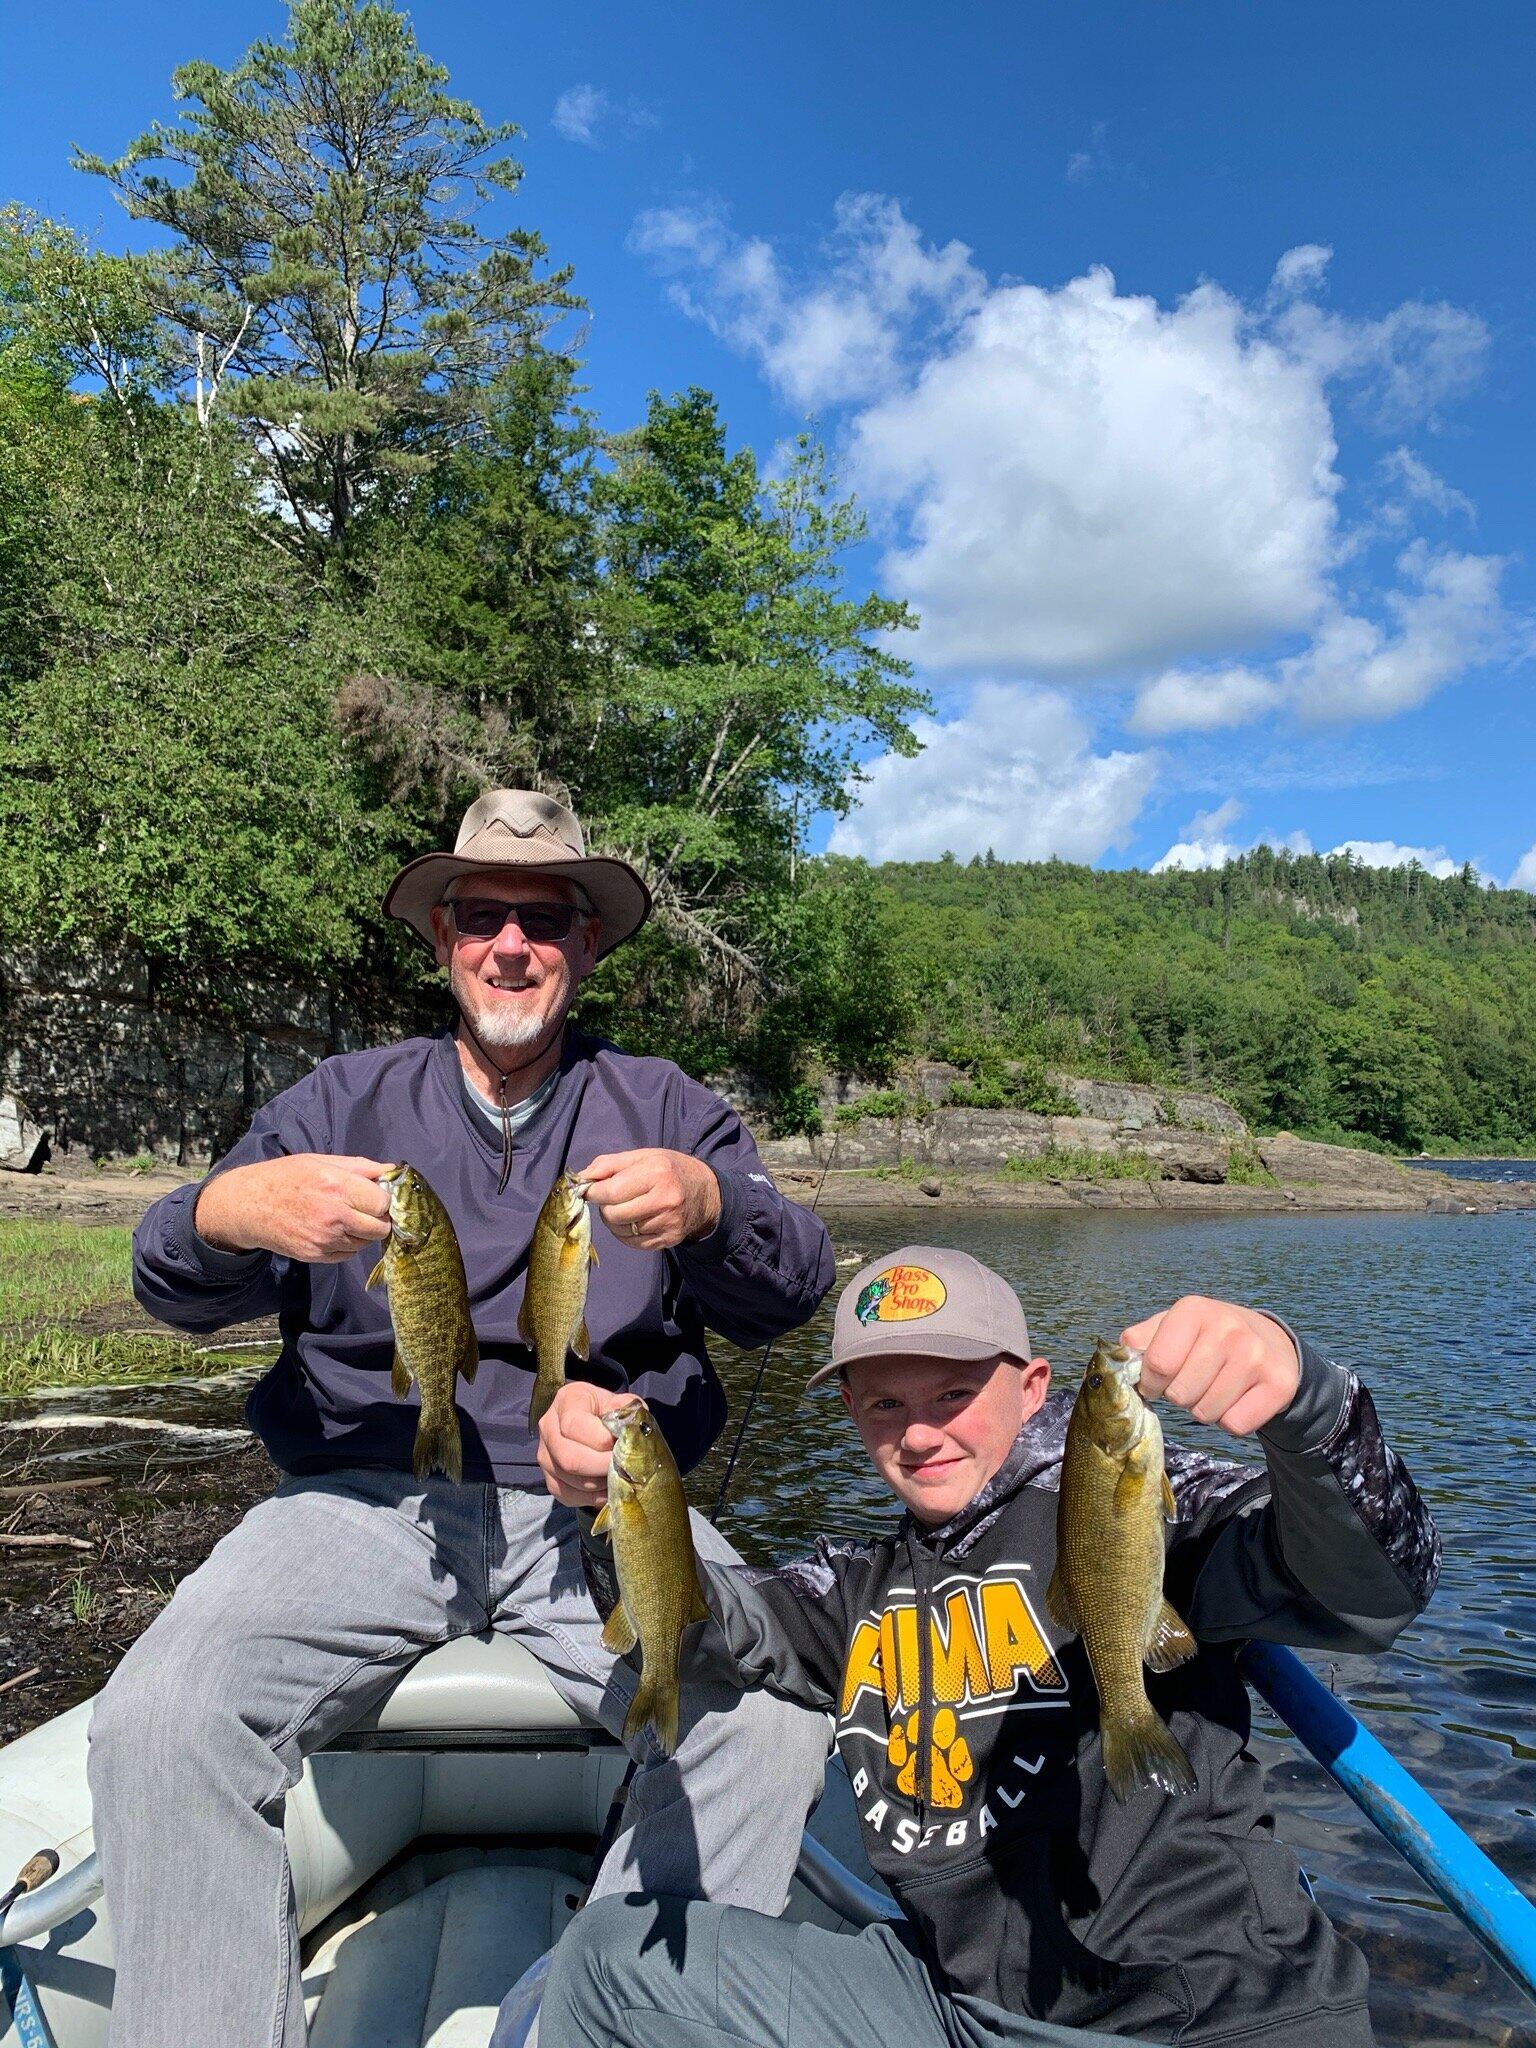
x=1479 y=1169
x=1438 y=1314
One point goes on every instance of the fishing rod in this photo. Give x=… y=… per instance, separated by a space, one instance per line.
x=762 y=1367
x=610 y=1829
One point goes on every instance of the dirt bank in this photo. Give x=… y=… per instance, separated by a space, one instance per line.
x=1308 y=1176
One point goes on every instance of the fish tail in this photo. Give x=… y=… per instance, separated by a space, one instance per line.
x=438 y=1446
x=654 y=1705
x=1143 y=1752
x=544 y=1391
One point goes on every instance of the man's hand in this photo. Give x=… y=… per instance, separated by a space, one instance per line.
x=308 y=1206
x=1225 y=1364
x=654 y=1199
x=574 y=1447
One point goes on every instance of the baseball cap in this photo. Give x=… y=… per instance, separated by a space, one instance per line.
x=925 y=1301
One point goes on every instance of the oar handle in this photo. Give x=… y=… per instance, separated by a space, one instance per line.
x=1483 y=1899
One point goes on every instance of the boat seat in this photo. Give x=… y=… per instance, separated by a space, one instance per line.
x=482 y=1686
x=432 y=1971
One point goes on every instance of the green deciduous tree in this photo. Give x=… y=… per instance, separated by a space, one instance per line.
x=743 y=684
x=329 y=278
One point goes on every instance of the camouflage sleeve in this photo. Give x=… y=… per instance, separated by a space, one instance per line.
x=781 y=1629
x=1331 y=1547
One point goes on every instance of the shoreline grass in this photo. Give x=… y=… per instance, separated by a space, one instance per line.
x=1074 y=1163
x=63 y=1358
x=54 y=1272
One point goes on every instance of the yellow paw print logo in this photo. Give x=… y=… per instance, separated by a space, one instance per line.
x=950 y=1762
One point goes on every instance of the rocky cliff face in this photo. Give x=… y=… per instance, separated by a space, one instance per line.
x=1186 y=1135
x=103 y=1057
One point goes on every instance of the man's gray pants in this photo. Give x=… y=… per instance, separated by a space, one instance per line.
x=644 y=1972
x=300 y=1620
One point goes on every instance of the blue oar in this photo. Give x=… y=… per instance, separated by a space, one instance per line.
x=1448 y=1860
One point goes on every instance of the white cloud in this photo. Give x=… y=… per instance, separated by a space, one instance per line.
x=1080 y=167
x=1524 y=876
x=1076 y=482
x=1386 y=853
x=1446 y=614
x=577 y=113
x=1014 y=771
x=583 y=110
x=1422 y=484
x=1300 y=271
x=1204 y=847
x=1202 y=700
x=828 y=344
x=1091 y=481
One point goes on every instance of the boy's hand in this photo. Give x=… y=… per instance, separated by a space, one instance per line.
x=574 y=1447
x=1225 y=1364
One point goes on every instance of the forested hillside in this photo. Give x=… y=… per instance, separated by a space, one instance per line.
x=308 y=535
x=1321 y=995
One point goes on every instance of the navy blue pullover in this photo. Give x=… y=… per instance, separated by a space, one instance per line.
x=327 y=1402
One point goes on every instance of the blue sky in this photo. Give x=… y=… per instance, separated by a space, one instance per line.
x=1182 y=356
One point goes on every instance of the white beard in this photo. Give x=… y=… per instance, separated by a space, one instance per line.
x=504 y=1028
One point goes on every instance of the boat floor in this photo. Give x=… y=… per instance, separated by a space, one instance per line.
x=424 y=1956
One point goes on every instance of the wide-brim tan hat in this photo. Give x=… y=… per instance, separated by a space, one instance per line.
x=519 y=828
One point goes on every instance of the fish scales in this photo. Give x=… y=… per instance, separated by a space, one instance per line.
x=422 y=1268
x=1108 y=1582
x=646 y=1520
x=553 y=1317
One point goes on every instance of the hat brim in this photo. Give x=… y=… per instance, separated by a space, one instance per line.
x=963 y=1348
x=617 y=894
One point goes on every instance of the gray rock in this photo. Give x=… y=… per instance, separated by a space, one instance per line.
x=23 y=1144
x=930 y=1186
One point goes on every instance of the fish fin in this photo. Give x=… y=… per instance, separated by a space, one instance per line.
x=468 y=1361
x=1171 y=1642
x=539 y=1400
x=581 y=1341
x=654 y=1706
x=1170 y=1505
x=592 y=1257
x=1144 y=1754
x=619 y=1636
x=699 y=1611
x=1059 y=1604
x=525 y=1323
x=438 y=1447
x=377 y=1276
x=600 y=1524
x=400 y=1377
x=1128 y=1486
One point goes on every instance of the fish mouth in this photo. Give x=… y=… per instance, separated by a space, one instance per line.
x=1132 y=1368
x=393 y=1173
x=612 y=1420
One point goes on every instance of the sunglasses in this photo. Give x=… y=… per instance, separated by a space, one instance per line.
x=544 y=924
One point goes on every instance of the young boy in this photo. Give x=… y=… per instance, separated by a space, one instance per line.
x=1037 y=1905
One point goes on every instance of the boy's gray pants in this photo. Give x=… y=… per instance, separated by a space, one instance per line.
x=643 y=1972
x=301 y=1619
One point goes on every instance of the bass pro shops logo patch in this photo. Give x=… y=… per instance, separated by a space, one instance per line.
x=901 y=1294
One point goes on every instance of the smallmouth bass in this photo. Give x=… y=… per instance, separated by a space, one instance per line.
x=423 y=1270
x=553 y=1316
x=646 y=1520
x=1108 y=1581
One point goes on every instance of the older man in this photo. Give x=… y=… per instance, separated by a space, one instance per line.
x=310 y=1609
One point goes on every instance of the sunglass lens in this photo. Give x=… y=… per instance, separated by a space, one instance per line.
x=544 y=923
